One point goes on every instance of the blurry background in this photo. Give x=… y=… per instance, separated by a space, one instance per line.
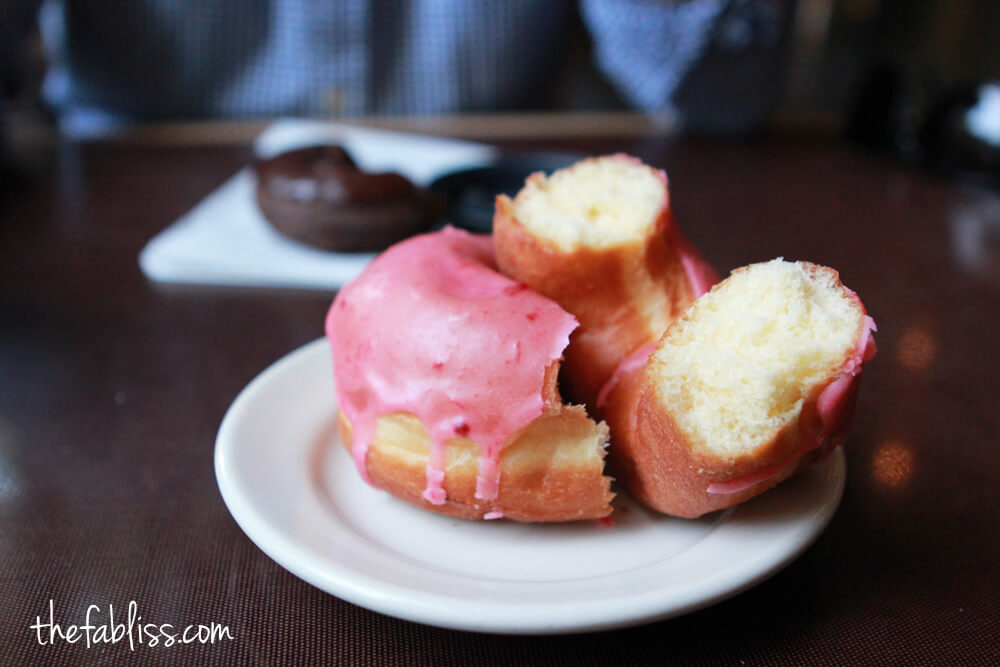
x=838 y=43
x=840 y=54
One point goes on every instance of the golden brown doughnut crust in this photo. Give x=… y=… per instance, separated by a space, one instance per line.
x=536 y=484
x=610 y=291
x=660 y=467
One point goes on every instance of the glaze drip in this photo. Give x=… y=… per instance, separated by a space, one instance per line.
x=629 y=365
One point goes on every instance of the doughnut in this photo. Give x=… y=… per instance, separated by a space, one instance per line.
x=452 y=352
x=446 y=377
x=317 y=196
x=755 y=380
x=599 y=238
x=713 y=393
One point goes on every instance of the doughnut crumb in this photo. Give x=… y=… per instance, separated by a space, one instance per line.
x=598 y=203
x=740 y=363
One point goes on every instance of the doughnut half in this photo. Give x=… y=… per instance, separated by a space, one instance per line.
x=599 y=238
x=757 y=379
x=445 y=374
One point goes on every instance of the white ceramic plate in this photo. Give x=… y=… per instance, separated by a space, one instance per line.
x=294 y=490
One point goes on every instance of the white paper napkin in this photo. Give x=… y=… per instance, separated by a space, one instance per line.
x=224 y=239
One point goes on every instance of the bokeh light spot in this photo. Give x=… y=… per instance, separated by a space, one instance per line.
x=892 y=464
x=916 y=349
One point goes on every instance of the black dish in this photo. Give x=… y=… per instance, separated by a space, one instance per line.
x=470 y=193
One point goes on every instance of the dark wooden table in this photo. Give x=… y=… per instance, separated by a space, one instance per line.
x=112 y=388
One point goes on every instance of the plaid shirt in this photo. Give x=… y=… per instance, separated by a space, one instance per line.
x=115 y=62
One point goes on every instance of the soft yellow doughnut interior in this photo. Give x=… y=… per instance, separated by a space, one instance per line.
x=563 y=437
x=598 y=203
x=738 y=366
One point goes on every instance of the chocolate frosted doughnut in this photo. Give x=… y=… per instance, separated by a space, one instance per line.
x=318 y=196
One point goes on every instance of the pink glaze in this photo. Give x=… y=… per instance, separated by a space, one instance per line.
x=631 y=363
x=700 y=274
x=490 y=516
x=432 y=329
x=834 y=406
x=745 y=482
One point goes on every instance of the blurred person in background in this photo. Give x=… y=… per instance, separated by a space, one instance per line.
x=713 y=64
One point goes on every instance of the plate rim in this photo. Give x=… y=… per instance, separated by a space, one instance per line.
x=444 y=611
